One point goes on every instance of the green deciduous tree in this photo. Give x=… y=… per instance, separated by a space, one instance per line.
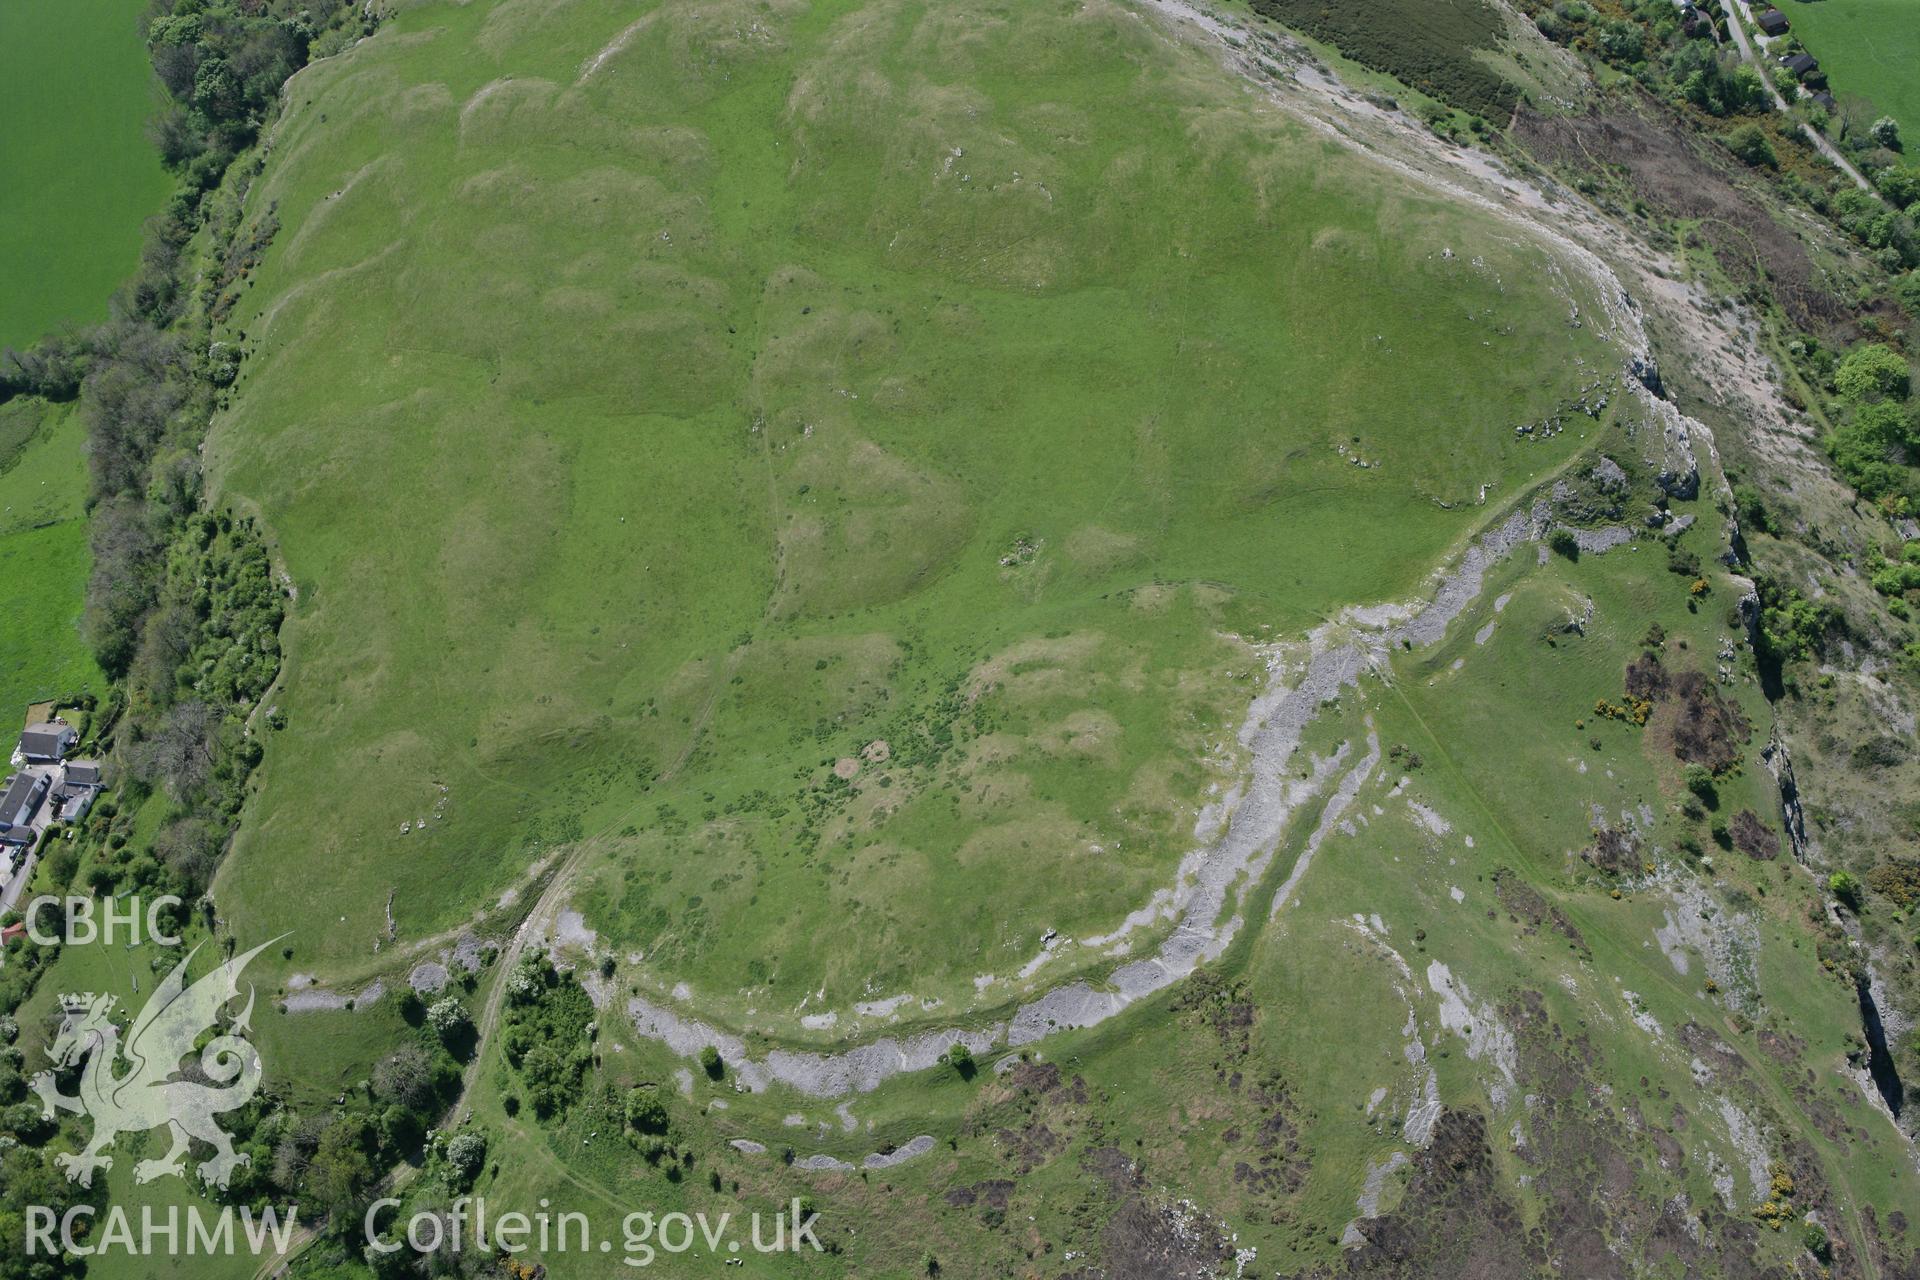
x=1872 y=371
x=1751 y=144
x=645 y=1112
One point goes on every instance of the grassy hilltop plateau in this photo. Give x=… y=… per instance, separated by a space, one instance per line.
x=1088 y=638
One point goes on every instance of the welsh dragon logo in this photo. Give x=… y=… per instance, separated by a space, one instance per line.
x=155 y=1089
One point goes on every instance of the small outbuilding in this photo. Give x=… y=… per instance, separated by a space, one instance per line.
x=70 y=803
x=1773 y=22
x=1803 y=66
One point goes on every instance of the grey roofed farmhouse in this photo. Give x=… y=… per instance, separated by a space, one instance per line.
x=49 y=741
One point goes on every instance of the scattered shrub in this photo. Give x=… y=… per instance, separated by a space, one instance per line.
x=448 y=1017
x=1751 y=145
x=466 y=1155
x=645 y=1112
x=1898 y=881
x=1699 y=780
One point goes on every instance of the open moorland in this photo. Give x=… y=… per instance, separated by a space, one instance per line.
x=1096 y=639
x=860 y=564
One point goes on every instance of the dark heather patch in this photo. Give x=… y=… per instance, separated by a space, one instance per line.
x=1210 y=1001
x=1614 y=850
x=1890 y=1265
x=1270 y=1166
x=1666 y=167
x=1456 y=1218
x=1706 y=1044
x=1646 y=678
x=1146 y=1240
x=1030 y=1146
x=1689 y=712
x=1429 y=46
x=1046 y=1081
x=1605 y=1209
x=995 y=1192
x=992 y=1195
x=1031 y=1113
x=1114 y=1167
x=1040 y=1077
x=1527 y=905
x=1706 y=728
x=1783 y=1047
x=1672 y=1155
x=1754 y=837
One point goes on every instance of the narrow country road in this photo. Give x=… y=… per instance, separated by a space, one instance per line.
x=1736 y=11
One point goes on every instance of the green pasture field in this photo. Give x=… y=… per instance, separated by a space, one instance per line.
x=655 y=409
x=43 y=556
x=1869 y=49
x=75 y=93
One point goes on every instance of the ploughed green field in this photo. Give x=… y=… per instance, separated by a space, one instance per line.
x=826 y=469
x=75 y=94
x=1869 y=49
x=43 y=556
